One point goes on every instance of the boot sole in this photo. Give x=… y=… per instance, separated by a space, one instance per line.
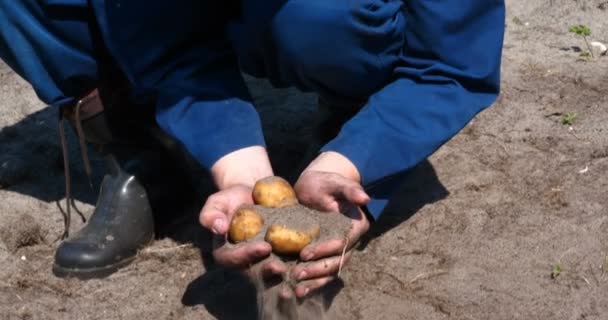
x=90 y=273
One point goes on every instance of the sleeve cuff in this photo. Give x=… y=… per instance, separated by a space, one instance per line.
x=210 y=130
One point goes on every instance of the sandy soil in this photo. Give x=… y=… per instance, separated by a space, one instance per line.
x=475 y=232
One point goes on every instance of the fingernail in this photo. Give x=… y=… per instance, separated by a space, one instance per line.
x=306 y=290
x=281 y=269
x=363 y=195
x=218 y=226
x=302 y=275
x=260 y=252
x=308 y=255
x=286 y=293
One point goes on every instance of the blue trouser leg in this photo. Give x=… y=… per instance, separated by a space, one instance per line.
x=341 y=49
x=52 y=49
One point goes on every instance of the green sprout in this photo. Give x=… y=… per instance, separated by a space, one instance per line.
x=557 y=270
x=568 y=118
x=583 y=31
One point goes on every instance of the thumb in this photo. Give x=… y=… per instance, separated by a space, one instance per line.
x=214 y=216
x=355 y=195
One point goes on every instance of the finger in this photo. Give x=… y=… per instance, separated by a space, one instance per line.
x=346 y=189
x=337 y=193
x=335 y=246
x=305 y=288
x=272 y=267
x=321 y=268
x=214 y=215
x=355 y=195
x=241 y=255
x=286 y=291
x=321 y=189
x=323 y=249
x=267 y=269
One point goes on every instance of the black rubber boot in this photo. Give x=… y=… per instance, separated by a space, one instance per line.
x=140 y=172
x=121 y=224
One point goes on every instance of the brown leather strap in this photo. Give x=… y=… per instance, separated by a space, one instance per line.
x=95 y=103
x=86 y=108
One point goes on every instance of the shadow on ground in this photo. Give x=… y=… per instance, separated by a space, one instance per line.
x=229 y=295
x=37 y=170
x=420 y=187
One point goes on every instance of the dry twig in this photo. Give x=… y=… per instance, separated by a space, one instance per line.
x=342 y=256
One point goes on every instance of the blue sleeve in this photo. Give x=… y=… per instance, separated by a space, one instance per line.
x=210 y=112
x=449 y=71
x=180 y=53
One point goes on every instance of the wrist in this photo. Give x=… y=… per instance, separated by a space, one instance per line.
x=331 y=161
x=241 y=167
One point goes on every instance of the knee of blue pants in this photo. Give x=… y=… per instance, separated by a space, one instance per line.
x=163 y=43
x=338 y=48
x=48 y=47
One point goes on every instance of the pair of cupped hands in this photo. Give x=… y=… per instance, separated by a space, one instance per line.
x=318 y=187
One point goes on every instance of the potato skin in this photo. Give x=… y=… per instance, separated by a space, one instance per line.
x=288 y=241
x=274 y=192
x=246 y=224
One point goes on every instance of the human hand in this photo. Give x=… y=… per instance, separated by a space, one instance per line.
x=333 y=192
x=216 y=216
x=235 y=175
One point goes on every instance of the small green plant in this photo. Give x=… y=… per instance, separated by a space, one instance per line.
x=557 y=270
x=568 y=118
x=583 y=31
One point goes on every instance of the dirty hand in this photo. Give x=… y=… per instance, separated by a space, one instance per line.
x=235 y=178
x=330 y=183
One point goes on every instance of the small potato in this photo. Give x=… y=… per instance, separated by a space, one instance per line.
x=274 y=192
x=288 y=241
x=246 y=224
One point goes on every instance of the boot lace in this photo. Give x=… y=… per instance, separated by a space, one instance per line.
x=64 y=113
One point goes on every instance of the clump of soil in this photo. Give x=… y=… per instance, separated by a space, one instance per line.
x=21 y=231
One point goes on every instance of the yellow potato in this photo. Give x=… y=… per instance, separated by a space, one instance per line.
x=246 y=224
x=274 y=192
x=289 y=241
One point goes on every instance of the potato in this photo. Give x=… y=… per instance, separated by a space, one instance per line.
x=246 y=224
x=274 y=192
x=289 y=241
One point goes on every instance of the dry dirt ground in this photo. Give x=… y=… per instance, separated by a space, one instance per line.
x=475 y=233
